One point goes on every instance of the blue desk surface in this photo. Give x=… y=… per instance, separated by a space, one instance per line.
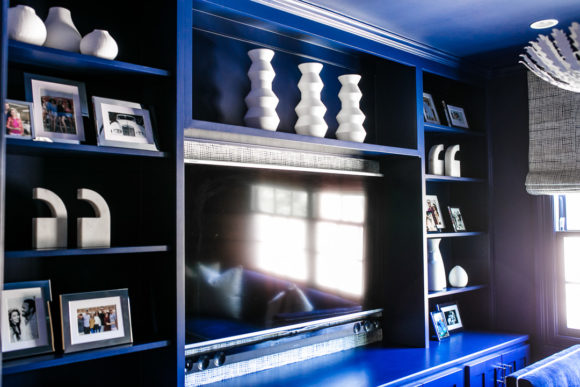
x=381 y=366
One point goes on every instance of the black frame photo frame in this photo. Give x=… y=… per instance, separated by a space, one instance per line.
x=112 y=309
x=452 y=317
x=26 y=319
x=439 y=325
x=25 y=111
x=457 y=117
x=456 y=219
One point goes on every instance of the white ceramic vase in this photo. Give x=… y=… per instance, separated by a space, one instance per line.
x=24 y=25
x=436 y=268
x=99 y=43
x=261 y=101
x=310 y=109
x=436 y=165
x=61 y=31
x=350 y=118
x=452 y=166
x=458 y=277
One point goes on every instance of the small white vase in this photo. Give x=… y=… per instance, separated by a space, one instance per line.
x=261 y=101
x=458 y=277
x=24 y=25
x=61 y=31
x=436 y=268
x=99 y=43
x=310 y=109
x=350 y=118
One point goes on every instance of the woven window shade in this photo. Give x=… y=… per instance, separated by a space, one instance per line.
x=554 y=149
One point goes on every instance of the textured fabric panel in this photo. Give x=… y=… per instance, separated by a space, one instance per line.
x=554 y=143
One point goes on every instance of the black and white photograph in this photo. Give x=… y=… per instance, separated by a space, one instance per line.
x=429 y=111
x=95 y=319
x=440 y=325
x=456 y=219
x=433 y=215
x=457 y=117
x=123 y=124
x=26 y=323
x=18 y=119
x=452 y=318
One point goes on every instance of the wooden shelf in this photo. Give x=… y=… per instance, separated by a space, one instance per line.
x=241 y=135
x=29 y=147
x=455 y=234
x=70 y=252
x=449 y=291
x=54 y=360
x=47 y=57
x=442 y=129
x=452 y=179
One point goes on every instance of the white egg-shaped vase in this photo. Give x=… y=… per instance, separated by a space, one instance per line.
x=310 y=109
x=61 y=31
x=99 y=43
x=458 y=277
x=436 y=268
x=24 y=25
x=261 y=101
x=350 y=118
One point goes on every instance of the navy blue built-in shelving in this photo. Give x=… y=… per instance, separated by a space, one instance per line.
x=452 y=179
x=450 y=291
x=454 y=234
x=442 y=129
x=93 y=251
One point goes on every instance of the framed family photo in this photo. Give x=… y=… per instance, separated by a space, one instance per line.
x=456 y=219
x=429 y=111
x=59 y=106
x=26 y=320
x=123 y=124
x=451 y=314
x=439 y=325
x=95 y=319
x=457 y=117
x=433 y=215
x=18 y=119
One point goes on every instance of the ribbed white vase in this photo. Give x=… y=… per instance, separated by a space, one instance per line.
x=261 y=101
x=436 y=268
x=310 y=109
x=350 y=118
x=99 y=43
x=61 y=31
x=24 y=25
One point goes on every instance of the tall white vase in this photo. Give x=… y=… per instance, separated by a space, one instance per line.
x=99 y=43
x=436 y=268
x=350 y=118
x=61 y=31
x=25 y=26
x=310 y=109
x=261 y=101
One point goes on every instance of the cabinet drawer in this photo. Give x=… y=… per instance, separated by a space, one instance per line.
x=483 y=372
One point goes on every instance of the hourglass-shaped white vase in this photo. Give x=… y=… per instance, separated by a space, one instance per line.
x=261 y=101
x=310 y=109
x=350 y=118
x=436 y=268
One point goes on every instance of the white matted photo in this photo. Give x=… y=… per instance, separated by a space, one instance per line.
x=123 y=124
x=26 y=323
x=434 y=217
x=429 y=111
x=457 y=116
x=95 y=319
x=18 y=119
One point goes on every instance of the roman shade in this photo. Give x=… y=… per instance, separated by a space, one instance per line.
x=554 y=143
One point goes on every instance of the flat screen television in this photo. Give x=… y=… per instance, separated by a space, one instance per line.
x=271 y=248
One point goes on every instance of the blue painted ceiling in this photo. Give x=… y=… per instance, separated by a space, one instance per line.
x=491 y=32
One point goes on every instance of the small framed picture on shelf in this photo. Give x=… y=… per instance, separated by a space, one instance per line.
x=123 y=124
x=434 y=218
x=95 y=319
x=456 y=219
x=58 y=108
x=26 y=320
x=439 y=325
x=19 y=123
x=452 y=317
x=429 y=111
x=457 y=117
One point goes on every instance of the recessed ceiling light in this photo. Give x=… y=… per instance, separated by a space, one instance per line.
x=546 y=23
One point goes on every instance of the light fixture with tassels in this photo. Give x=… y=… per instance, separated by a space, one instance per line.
x=557 y=61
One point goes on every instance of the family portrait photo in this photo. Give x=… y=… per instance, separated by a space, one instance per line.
x=58 y=113
x=434 y=217
x=97 y=320
x=18 y=119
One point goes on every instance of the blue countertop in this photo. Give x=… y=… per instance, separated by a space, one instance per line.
x=382 y=366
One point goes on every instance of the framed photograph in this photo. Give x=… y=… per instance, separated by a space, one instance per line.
x=26 y=320
x=451 y=314
x=19 y=119
x=123 y=124
x=95 y=319
x=456 y=219
x=439 y=325
x=434 y=217
x=58 y=108
x=457 y=117
x=429 y=111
